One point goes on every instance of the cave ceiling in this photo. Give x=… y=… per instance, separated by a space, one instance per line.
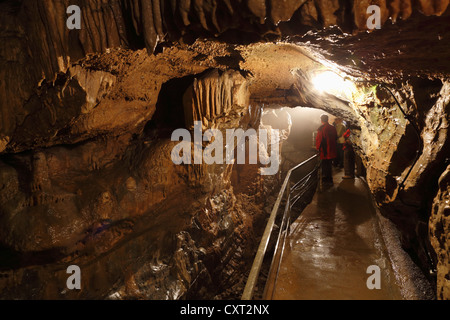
x=137 y=46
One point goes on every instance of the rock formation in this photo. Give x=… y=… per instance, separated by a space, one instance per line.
x=439 y=234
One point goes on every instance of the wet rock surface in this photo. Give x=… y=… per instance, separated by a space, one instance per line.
x=439 y=229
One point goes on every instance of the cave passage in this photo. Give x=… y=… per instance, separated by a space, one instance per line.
x=339 y=247
x=330 y=247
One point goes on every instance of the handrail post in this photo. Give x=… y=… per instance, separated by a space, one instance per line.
x=288 y=229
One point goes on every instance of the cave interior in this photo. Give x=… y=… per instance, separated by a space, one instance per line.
x=88 y=114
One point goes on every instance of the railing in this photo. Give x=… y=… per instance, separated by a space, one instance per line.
x=292 y=195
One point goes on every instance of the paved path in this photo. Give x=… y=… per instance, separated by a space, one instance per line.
x=330 y=247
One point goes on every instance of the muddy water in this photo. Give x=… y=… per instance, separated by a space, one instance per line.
x=331 y=246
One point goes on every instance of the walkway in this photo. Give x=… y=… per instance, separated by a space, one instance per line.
x=330 y=247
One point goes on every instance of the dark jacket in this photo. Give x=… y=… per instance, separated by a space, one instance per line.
x=326 y=141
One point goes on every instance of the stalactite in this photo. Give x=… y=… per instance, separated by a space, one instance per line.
x=214 y=95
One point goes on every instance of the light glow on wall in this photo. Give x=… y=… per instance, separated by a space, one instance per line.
x=332 y=83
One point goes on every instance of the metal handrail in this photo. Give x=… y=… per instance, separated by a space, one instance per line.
x=258 y=261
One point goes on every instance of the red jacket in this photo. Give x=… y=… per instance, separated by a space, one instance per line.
x=348 y=143
x=326 y=141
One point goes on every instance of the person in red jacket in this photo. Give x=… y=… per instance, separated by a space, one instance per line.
x=326 y=145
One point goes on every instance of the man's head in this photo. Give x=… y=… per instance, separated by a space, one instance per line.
x=338 y=120
x=324 y=118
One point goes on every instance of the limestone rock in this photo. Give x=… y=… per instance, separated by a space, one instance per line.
x=439 y=234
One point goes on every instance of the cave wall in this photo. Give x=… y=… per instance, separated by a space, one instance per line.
x=138 y=225
x=404 y=156
x=439 y=226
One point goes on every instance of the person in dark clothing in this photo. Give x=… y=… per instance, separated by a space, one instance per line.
x=326 y=145
x=349 y=157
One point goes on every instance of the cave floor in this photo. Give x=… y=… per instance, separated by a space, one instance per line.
x=331 y=246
